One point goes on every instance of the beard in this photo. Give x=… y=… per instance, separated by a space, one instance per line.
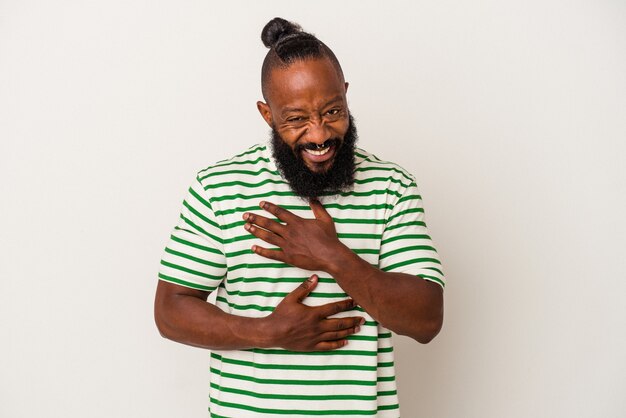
x=308 y=184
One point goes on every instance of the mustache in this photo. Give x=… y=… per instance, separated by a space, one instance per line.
x=311 y=146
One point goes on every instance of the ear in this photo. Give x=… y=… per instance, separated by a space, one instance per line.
x=265 y=112
x=346 y=84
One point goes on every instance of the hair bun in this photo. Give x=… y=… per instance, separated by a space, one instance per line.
x=276 y=29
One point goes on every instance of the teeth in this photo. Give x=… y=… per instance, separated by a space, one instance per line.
x=314 y=152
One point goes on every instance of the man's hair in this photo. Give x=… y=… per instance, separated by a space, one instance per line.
x=288 y=43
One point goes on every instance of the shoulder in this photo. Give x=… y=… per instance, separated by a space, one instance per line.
x=369 y=166
x=248 y=164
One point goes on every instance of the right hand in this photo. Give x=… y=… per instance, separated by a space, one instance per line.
x=298 y=327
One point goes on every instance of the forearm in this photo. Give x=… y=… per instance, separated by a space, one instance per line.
x=400 y=302
x=190 y=320
x=183 y=315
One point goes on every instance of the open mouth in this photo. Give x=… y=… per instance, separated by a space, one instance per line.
x=319 y=153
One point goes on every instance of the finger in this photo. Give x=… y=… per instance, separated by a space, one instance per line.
x=330 y=345
x=332 y=308
x=319 y=210
x=275 y=254
x=282 y=214
x=339 y=335
x=264 y=223
x=266 y=236
x=302 y=291
x=341 y=324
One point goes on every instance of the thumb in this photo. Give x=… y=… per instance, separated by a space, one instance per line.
x=307 y=286
x=319 y=211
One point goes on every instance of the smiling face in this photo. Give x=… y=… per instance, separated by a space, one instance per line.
x=307 y=108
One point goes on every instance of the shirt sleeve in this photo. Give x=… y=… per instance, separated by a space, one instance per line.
x=406 y=246
x=194 y=255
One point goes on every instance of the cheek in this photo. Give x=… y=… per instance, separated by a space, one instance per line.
x=340 y=128
x=291 y=136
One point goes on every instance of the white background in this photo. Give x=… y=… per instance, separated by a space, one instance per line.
x=512 y=116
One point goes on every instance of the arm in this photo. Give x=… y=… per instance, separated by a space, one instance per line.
x=182 y=314
x=396 y=300
x=400 y=302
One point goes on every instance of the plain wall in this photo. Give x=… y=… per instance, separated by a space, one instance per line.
x=512 y=116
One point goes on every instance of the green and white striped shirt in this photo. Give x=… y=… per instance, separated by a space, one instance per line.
x=381 y=219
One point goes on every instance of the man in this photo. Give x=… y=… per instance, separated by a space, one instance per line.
x=317 y=249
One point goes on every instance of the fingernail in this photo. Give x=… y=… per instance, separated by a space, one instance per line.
x=357 y=329
x=362 y=321
x=245 y=215
x=247 y=227
x=262 y=203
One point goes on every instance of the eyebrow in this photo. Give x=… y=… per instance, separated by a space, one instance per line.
x=297 y=109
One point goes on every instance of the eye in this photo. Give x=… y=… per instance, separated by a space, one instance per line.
x=333 y=114
x=296 y=119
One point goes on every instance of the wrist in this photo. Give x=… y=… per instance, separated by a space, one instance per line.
x=262 y=329
x=339 y=259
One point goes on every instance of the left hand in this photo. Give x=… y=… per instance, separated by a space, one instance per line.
x=310 y=244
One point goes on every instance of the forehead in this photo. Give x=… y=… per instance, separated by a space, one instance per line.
x=305 y=84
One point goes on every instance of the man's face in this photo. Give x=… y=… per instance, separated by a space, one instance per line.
x=313 y=134
x=313 y=184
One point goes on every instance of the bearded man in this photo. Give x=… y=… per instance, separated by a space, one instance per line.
x=317 y=251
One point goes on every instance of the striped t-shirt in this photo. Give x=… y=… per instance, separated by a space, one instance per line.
x=381 y=219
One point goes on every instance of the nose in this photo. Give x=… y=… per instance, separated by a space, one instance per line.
x=318 y=132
